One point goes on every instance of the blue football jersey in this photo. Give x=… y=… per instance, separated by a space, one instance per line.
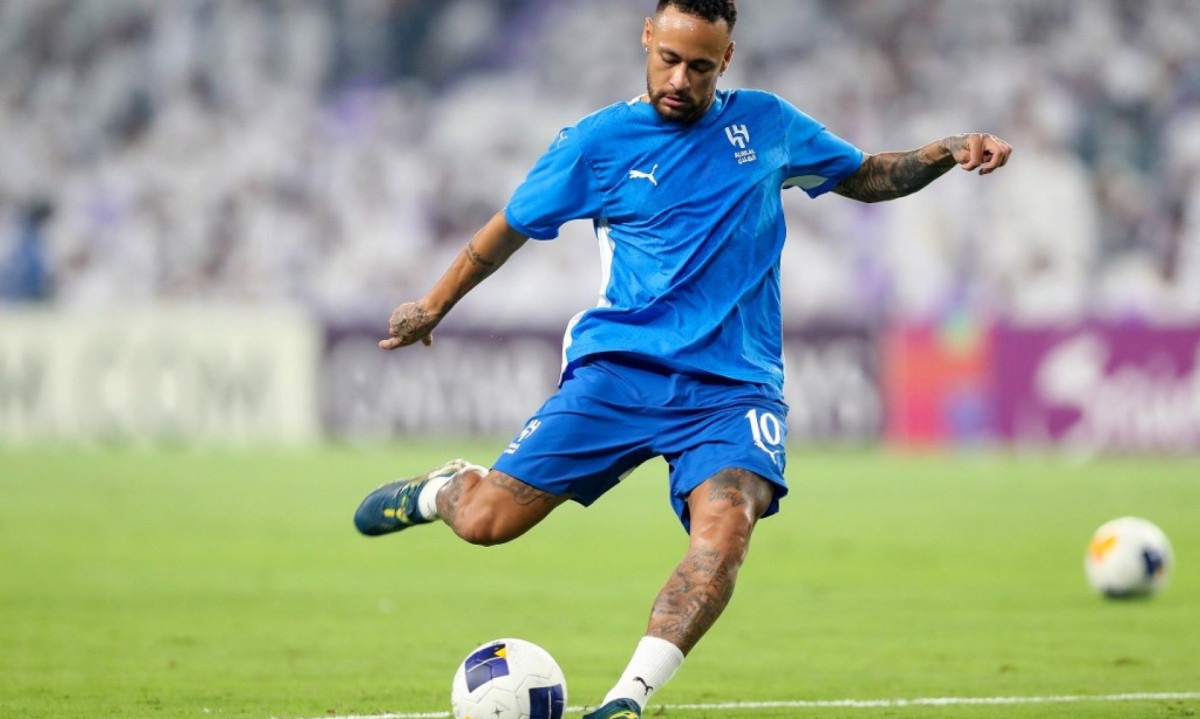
x=690 y=224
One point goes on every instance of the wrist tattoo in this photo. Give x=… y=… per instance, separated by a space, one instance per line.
x=954 y=143
x=482 y=265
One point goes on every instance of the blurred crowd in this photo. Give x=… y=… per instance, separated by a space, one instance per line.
x=337 y=154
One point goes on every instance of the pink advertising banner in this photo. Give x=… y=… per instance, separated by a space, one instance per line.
x=1098 y=386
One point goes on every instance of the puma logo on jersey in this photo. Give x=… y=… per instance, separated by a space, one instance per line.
x=639 y=175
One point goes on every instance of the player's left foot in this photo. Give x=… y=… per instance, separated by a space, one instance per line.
x=393 y=506
x=616 y=709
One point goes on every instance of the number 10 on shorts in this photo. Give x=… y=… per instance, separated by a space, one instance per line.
x=767 y=431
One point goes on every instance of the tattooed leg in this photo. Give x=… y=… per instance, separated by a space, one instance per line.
x=723 y=512
x=493 y=508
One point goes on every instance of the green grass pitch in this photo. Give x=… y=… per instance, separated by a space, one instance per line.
x=213 y=583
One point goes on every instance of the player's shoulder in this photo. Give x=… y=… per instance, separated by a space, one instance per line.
x=763 y=103
x=606 y=118
x=748 y=99
x=599 y=124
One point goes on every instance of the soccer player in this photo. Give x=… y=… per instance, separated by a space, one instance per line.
x=682 y=357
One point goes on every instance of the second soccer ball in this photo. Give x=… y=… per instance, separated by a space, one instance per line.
x=1128 y=557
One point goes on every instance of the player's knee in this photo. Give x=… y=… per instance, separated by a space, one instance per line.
x=725 y=508
x=483 y=530
x=728 y=534
x=495 y=508
x=484 y=524
x=724 y=530
x=733 y=492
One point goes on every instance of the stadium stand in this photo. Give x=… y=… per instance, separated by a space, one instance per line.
x=331 y=154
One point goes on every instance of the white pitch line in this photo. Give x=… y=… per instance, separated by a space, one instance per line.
x=856 y=703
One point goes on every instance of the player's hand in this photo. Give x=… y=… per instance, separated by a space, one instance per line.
x=981 y=151
x=410 y=323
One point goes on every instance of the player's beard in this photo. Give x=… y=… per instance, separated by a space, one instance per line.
x=685 y=114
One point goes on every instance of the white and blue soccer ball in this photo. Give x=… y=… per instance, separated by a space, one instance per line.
x=1128 y=557
x=509 y=679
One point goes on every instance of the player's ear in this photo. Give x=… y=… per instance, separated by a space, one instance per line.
x=728 y=57
x=647 y=33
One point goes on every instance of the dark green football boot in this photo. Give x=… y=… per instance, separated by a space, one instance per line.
x=616 y=709
x=393 y=506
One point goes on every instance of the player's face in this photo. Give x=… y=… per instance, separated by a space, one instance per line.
x=685 y=57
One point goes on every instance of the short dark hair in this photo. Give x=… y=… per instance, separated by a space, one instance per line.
x=709 y=10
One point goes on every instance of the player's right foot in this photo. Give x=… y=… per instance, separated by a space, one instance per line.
x=616 y=709
x=393 y=506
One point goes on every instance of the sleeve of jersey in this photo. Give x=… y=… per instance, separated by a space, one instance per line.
x=818 y=160
x=561 y=187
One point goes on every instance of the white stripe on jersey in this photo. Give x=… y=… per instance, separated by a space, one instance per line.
x=607 y=246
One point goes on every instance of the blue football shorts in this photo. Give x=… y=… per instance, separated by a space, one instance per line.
x=614 y=412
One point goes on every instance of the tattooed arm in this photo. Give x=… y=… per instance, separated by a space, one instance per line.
x=889 y=175
x=488 y=249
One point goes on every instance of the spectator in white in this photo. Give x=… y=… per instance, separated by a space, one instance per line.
x=1041 y=242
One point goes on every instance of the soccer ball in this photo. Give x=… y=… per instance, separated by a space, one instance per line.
x=1128 y=557
x=509 y=679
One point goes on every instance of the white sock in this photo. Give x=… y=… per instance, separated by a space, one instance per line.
x=653 y=664
x=427 y=500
